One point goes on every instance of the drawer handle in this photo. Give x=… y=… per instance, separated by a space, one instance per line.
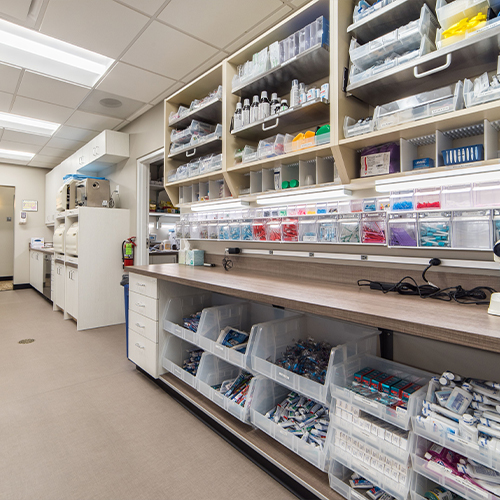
x=138 y=304
x=446 y=65
x=139 y=345
x=139 y=325
x=264 y=128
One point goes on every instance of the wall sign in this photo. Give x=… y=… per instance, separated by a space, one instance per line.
x=29 y=206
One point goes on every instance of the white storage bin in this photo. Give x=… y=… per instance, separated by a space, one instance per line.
x=196 y=128
x=360 y=14
x=266 y=395
x=482 y=95
x=400 y=41
x=339 y=477
x=418 y=107
x=342 y=453
x=342 y=376
x=440 y=476
x=450 y=13
x=174 y=354
x=354 y=127
x=245 y=316
x=272 y=339
x=425 y=428
x=487 y=194
x=456 y=197
x=213 y=371
x=273 y=146
x=249 y=154
x=472 y=230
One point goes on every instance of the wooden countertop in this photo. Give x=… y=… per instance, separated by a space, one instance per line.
x=454 y=323
x=164 y=252
x=43 y=250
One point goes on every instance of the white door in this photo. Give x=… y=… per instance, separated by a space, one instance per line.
x=38 y=277
x=59 y=284
x=32 y=268
x=72 y=291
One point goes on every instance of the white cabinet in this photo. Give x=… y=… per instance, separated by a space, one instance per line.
x=108 y=148
x=71 y=299
x=36 y=270
x=59 y=283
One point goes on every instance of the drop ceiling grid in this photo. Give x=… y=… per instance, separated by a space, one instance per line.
x=122 y=29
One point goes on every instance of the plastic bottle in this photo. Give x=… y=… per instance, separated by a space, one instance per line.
x=246 y=113
x=264 y=106
x=294 y=94
x=238 y=116
x=302 y=93
x=275 y=104
x=284 y=105
x=254 y=109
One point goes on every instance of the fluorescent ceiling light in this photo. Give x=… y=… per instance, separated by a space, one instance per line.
x=451 y=177
x=311 y=195
x=46 y=55
x=219 y=205
x=27 y=125
x=8 y=154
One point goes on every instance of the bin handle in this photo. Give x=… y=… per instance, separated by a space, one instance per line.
x=264 y=128
x=192 y=154
x=139 y=345
x=139 y=325
x=446 y=65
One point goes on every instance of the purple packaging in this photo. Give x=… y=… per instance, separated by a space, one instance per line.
x=380 y=160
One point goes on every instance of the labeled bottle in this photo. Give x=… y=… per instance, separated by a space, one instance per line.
x=294 y=94
x=284 y=105
x=264 y=106
x=275 y=104
x=254 y=109
x=302 y=93
x=238 y=117
x=246 y=112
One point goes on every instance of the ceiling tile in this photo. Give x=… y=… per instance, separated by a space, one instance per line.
x=263 y=26
x=205 y=19
x=126 y=106
x=209 y=64
x=41 y=110
x=51 y=90
x=167 y=93
x=54 y=152
x=90 y=121
x=15 y=8
x=65 y=144
x=9 y=76
x=134 y=83
x=75 y=134
x=102 y=26
x=166 y=51
x=5 y=101
x=17 y=146
x=44 y=161
x=147 y=6
x=10 y=135
x=140 y=112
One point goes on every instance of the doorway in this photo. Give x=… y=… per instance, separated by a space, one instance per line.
x=6 y=237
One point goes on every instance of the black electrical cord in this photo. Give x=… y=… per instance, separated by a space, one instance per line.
x=409 y=286
x=227 y=263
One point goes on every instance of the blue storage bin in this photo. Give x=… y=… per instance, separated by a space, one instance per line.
x=468 y=154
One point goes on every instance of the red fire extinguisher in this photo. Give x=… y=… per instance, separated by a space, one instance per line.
x=128 y=251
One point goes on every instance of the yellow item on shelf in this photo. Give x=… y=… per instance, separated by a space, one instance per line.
x=309 y=134
x=464 y=25
x=299 y=137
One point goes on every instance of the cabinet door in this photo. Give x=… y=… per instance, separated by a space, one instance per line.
x=59 y=285
x=38 y=277
x=32 y=268
x=72 y=291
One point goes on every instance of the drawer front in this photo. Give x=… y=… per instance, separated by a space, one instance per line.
x=144 y=285
x=143 y=305
x=145 y=326
x=143 y=353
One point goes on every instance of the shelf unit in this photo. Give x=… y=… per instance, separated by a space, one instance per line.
x=465 y=59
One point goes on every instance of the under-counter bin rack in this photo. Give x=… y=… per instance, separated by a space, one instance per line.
x=174 y=354
x=271 y=340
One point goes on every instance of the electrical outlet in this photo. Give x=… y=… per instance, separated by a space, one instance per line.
x=117 y=189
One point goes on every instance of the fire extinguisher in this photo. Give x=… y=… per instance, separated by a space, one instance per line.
x=128 y=251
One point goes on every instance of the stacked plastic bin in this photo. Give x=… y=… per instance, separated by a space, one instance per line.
x=194 y=353
x=371 y=429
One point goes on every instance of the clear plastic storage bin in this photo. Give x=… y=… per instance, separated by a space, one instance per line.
x=360 y=14
x=271 y=340
x=290 y=229
x=273 y=229
x=194 y=168
x=273 y=146
x=354 y=127
x=441 y=476
x=249 y=154
x=267 y=394
x=299 y=142
x=214 y=371
x=476 y=94
x=472 y=230
x=420 y=106
x=244 y=316
x=496 y=225
x=235 y=230
x=342 y=376
x=175 y=352
x=328 y=229
x=172 y=176
x=348 y=231
x=450 y=13
x=486 y=195
x=308 y=229
x=456 y=197
x=400 y=41
x=224 y=231
x=428 y=199
x=434 y=229
x=402 y=230
x=370 y=205
x=195 y=129
x=373 y=228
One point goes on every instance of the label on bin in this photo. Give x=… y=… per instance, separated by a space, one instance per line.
x=221 y=348
x=365 y=401
x=178 y=371
x=356 y=495
x=283 y=375
x=470 y=486
x=463 y=442
x=401 y=411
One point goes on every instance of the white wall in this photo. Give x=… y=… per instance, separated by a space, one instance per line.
x=30 y=185
x=6 y=231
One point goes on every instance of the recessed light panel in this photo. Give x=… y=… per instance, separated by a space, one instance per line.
x=27 y=125
x=7 y=154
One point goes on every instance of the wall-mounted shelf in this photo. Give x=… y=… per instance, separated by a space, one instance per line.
x=210 y=113
x=217 y=174
x=160 y=214
x=308 y=115
x=156 y=187
x=191 y=152
x=310 y=66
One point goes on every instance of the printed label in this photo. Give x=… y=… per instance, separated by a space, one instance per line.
x=401 y=411
x=355 y=494
x=284 y=375
x=178 y=371
x=376 y=164
x=470 y=486
x=366 y=401
x=463 y=442
x=178 y=329
x=442 y=109
x=221 y=348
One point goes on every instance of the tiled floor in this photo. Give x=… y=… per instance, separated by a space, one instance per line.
x=78 y=421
